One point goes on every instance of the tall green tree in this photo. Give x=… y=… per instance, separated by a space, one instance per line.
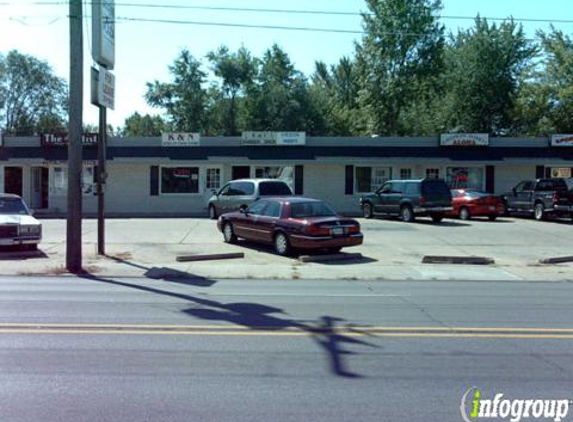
x=335 y=94
x=280 y=98
x=138 y=125
x=237 y=72
x=485 y=66
x=32 y=98
x=546 y=102
x=184 y=99
x=401 y=48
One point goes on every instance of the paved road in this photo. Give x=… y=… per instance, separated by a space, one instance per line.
x=206 y=350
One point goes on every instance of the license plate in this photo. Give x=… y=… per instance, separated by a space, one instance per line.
x=492 y=208
x=337 y=231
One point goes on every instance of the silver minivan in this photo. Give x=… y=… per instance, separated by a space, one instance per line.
x=241 y=193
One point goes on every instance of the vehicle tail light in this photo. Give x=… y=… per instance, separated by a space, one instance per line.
x=422 y=200
x=556 y=197
x=355 y=228
x=315 y=230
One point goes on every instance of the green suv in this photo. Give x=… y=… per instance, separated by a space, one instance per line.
x=408 y=199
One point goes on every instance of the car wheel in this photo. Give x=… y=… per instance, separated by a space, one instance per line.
x=282 y=245
x=367 y=210
x=492 y=217
x=229 y=233
x=436 y=218
x=407 y=214
x=212 y=212
x=465 y=213
x=539 y=212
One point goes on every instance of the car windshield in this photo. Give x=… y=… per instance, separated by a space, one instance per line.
x=12 y=206
x=311 y=209
x=274 y=189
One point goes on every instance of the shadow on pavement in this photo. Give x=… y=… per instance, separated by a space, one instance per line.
x=326 y=332
x=261 y=247
x=167 y=274
x=14 y=253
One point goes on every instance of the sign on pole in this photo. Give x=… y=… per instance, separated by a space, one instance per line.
x=103 y=32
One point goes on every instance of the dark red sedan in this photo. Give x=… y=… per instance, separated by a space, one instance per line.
x=291 y=223
x=471 y=203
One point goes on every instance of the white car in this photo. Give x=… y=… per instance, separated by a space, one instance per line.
x=17 y=226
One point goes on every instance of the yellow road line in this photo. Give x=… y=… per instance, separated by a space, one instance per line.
x=156 y=327
x=350 y=331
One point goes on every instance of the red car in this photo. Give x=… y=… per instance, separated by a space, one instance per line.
x=471 y=203
x=291 y=223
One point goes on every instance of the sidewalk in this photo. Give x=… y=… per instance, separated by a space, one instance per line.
x=392 y=251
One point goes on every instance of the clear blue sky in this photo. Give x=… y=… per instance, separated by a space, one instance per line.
x=144 y=50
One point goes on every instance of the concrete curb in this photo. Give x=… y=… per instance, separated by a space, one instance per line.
x=556 y=260
x=471 y=260
x=331 y=257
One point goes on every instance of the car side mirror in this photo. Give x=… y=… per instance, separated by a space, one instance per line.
x=32 y=212
x=243 y=210
x=514 y=191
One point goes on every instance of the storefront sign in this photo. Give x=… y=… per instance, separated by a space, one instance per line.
x=464 y=139
x=273 y=138
x=562 y=140
x=180 y=139
x=60 y=140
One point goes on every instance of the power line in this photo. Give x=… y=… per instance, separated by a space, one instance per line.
x=296 y=11
x=238 y=25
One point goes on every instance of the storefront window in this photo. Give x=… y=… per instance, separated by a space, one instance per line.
x=405 y=174
x=286 y=174
x=179 y=180
x=59 y=185
x=433 y=173
x=213 y=179
x=369 y=179
x=561 y=172
x=465 y=177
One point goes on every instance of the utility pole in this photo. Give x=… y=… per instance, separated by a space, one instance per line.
x=75 y=165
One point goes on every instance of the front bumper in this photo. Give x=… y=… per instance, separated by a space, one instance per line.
x=20 y=241
x=563 y=208
x=319 y=242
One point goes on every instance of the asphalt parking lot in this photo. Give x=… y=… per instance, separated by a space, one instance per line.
x=392 y=250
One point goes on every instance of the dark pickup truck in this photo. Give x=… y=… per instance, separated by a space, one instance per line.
x=542 y=197
x=408 y=199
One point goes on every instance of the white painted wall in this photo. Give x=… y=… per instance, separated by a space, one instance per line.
x=507 y=176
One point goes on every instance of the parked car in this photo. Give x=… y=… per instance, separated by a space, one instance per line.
x=541 y=197
x=473 y=203
x=409 y=199
x=291 y=223
x=17 y=225
x=241 y=193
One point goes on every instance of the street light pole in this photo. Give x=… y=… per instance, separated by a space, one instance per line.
x=74 y=218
